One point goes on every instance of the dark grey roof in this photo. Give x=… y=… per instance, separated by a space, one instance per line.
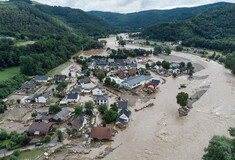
x=156 y=81
x=121 y=62
x=61 y=115
x=28 y=86
x=119 y=119
x=42 y=78
x=79 y=90
x=45 y=94
x=183 y=69
x=101 y=97
x=122 y=105
x=85 y=80
x=72 y=96
x=135 y=80
x=59 y=77
x=99 y=87
x=102 y=62
x=133 y=65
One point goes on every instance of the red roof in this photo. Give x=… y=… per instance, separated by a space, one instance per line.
x=132 y=72
x=101 y=133
x=150 y=85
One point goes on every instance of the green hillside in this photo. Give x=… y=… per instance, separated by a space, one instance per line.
x=214 y=30
x=80 y=21
x=135 y=21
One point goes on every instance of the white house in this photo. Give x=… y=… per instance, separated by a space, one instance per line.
x=135 y=81
x=101 y=99
x=42 y=98
x=73 y=97
x=98 y=90
x=138 y=60
x=122 y=119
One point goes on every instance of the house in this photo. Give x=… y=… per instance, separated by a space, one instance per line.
x=73 y=98
x=121 y=74
x=77 y=122
x=141 y=71
x=42 y=98
x=98 y=90
x=29 y=85
x=175 y=71
x=128 y=62
x=40 y=129
x=133 y=65
x=122 y=118
x=41 y=79
x=92 y=65
x=174 y=66
x=88 y=87
x=122 y=105
x=184 y=70
x=84 y=72
x=43 y=118
x=101 y=133
x=4 y=101
x=30 y=98
x=121 y=63
x=102 y=64
x=97 y=71
x=135 y=81
x=101 y=99
x=77 y=90
x=132 y=72
x=138 y=60
x=62 y=114
x=116 y=79
x=157 y=82
x=154 y=67
x=162 y=71
x=84 y=81
x=113 y=65
x=110 y=60
x=59 y=78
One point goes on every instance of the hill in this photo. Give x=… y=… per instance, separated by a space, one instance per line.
x=78 y=20
x=135 y=21
x=214 y=30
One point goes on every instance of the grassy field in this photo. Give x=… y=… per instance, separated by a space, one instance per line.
x=57 y=70
x=31 y=155
x=9 y=72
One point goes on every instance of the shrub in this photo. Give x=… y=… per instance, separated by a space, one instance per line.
x=3 y=135
x=47 y=139
x=12 y=157
x=26 y=141
x=102 y=108
x=78 y=110
x=16 y=153
x=34 y=114
x=60 y=135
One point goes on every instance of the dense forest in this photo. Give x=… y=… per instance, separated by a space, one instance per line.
x=78 y=20
x=213 y=30
x=135 y=21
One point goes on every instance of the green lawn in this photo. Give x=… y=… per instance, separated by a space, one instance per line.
x=57 y=70
x=31 y=155
x=9 y=72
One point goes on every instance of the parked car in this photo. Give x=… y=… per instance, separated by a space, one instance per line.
x=38 y=144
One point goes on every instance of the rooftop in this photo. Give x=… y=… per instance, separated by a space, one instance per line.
x=135 y=80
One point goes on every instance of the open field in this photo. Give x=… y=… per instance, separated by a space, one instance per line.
x=57 y=70
x=9 y=72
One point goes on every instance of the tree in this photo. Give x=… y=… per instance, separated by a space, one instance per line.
x=182 y=64
x=232 y=131
x=102 y=108
x=70 y=74
x=121 y=42
x=114 y=107
x=60 y=135
x=113 y=83
x=89 y=108
x=101 y=76
x=78 y=110
x=157 y=50
x=3 y=135
x=88 y=73
x=16 y=153
x=168 y=50
x=109 y=116
x=34 y=114
x=47 y=139
x=179 y=48
x=147 y=65
x=159 y=63
x=189 y=64
x=182 y=99
x=166 y=64
x=219 y=148
x=62 y=86
x=54 y=109
x=107 y=81
x=26 y=141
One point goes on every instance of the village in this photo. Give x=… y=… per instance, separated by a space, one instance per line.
x=91 y=100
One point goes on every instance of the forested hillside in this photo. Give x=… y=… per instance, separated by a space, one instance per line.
x=214 y=30
x=135 y=21
x=80 y=21
x=56 y=40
